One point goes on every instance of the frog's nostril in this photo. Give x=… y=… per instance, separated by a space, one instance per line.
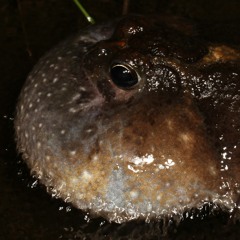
x=124 y=76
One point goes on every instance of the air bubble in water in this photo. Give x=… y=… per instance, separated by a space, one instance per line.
x=34 y=184
x=68 y=209
x=87 y=218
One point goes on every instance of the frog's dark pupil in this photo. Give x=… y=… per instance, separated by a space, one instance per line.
x=123 y=76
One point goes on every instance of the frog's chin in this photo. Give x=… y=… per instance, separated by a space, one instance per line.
x=119 y=203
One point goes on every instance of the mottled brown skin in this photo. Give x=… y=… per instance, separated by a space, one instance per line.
x=161 y=146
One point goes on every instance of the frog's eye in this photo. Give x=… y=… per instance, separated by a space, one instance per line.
x=124 y=76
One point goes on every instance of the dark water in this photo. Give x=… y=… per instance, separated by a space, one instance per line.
x=30 y=28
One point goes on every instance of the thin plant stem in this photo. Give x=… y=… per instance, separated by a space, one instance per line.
x=26 y=40
x=84 y=12
x=125 y=7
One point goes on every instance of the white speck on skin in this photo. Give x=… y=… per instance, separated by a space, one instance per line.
x=86 y=175
x=55 y=80
x=89 y=130
x=95 y=158
x=75 y=97
x=49 y=94
x=167 y=184
x=134 y=194
x=149 y=207
x=161 y=166
x=83 y=89
x=74 y=180
x=72 y=110
x=63 y=131
x=73 y=152
x=186 y=137
x=159 y=197
x=40 y=125
x=38 y=145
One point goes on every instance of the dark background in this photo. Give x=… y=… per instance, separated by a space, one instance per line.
x=28 y=28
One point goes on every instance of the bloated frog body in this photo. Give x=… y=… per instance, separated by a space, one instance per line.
x=138 y=118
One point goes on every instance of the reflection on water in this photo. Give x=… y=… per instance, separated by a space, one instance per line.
x=27 y=211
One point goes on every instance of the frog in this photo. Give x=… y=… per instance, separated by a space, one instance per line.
x=136 y=118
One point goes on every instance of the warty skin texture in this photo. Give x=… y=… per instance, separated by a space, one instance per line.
x=165 y=145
